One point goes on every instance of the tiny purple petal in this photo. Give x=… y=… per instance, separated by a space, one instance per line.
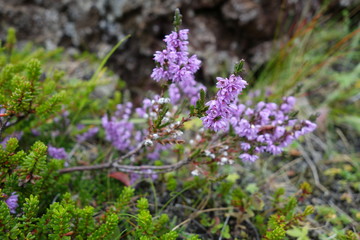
x=57 y=153
x=12 y=202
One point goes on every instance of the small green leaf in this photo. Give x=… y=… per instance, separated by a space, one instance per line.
x=252 y=188
x=239 y=67
x=177 y=19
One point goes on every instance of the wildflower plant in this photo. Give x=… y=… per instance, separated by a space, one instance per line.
x=193 y=130
x=231 y=130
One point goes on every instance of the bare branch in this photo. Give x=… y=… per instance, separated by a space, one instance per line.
x=85 y=168
x=144 y=169
x=132 y=152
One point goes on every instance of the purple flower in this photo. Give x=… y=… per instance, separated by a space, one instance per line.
x=142 y=111
x=175 y=65
x=193 y=64
x=124 y=110
x=12 y=202
x=265 y=128
x=245 y=146
x=158 y=74
x=134 y=177
x=17 y=135
x=149 y=174
x=158 y=148
x=87 y=135
x=174 y=93
x=288 y=104
x=35 y=132
x=229 y=88
x=222 y=109
x=306 y=127
x=57 y=153
x=118 y=132
x=183 y=34
x=248 y=157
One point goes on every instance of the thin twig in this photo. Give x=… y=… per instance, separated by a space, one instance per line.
x=144 y=169
x=344 y=140
x=257 y=235
x=333 y=205
x=285 y=166
x=132 y=152
x=224 y=226
x=195 y=214
x=313 y=170
x=319 y=142
x=85 y=168
x=104 y=165
x=16 y=122
x=129 y=169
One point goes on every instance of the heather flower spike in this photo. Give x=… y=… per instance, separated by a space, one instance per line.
x=177 y=19
x=221 y=109
x=268 y=127
x=175 y=66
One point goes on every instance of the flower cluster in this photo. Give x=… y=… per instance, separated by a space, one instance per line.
x=57 y=153
x=222 y=108
x=91 y=132
x=150 y=107
x=175 y=65
x=268 y=127
x=12 y=202
x=118 y=129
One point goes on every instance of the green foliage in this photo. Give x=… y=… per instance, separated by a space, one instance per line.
x=105 y=230
x=177 y=19
x=299 y=233
x=8 y=227
x=349 y=235
x=171 y=183
x=239 y=67
x=31 y=172
x=149 y=228
x=286 y=218
x=34 y=162
x=26 y=95
x=122 y=204
x=28 y=221
x=200 y=108
x=64 y=220
x=22 y=96
x=10 y=40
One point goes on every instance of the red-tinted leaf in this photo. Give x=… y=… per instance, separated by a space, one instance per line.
x=122 y=177
x=69 y=233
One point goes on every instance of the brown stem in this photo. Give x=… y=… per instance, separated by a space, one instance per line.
x=144 y=169
x=85 y=168
x=130 y=169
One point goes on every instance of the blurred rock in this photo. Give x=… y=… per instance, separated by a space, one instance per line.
x=242 y=10
x=221 y=31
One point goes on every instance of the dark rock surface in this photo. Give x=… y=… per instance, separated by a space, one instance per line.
x=221 y=31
